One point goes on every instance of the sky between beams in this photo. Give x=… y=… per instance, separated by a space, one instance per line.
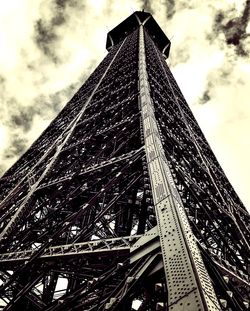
x=49 y=48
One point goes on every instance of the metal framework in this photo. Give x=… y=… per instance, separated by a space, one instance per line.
x=120 y=204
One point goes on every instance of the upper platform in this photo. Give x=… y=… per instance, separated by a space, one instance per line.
x=131 y=23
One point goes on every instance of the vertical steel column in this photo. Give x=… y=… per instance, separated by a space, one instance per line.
x=189 y=286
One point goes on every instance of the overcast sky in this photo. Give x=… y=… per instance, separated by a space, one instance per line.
x=49 y=47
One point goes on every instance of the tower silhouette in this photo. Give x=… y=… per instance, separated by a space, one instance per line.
x=120 y=204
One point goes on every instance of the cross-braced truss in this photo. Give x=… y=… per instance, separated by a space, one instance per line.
x=117 y=193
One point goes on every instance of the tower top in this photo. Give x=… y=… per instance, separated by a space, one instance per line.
x=134 y=21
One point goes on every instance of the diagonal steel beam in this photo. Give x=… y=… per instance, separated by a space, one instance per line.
x=189 y=286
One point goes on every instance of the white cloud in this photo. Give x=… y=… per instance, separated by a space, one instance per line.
x=200 y=60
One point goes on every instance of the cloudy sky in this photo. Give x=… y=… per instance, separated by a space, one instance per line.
x=49 y=47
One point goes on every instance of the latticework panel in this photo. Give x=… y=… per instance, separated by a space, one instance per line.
x=84 y=179
x=218 y=219
x=81 y=227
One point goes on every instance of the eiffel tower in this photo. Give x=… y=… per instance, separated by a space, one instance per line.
x=120 y=204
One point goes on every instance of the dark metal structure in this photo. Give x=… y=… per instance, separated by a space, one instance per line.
x=120 y=204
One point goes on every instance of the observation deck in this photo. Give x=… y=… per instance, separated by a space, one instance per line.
x=121 y=31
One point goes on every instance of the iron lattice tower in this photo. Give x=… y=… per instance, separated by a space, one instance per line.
x=120 y=204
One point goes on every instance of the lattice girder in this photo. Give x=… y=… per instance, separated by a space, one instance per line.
x=87 y=212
